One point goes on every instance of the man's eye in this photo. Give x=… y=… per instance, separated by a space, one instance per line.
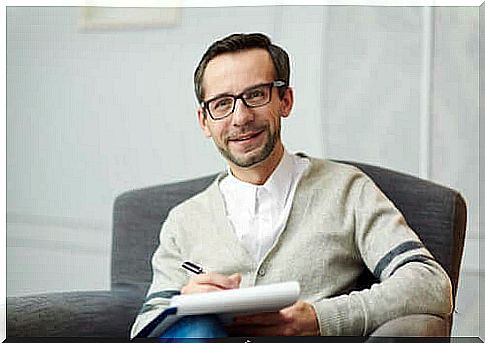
x=255 y=93
x=222 y=103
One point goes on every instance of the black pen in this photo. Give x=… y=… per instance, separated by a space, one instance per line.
x=192 y=267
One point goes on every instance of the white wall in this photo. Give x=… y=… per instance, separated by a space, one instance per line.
x=92 y=114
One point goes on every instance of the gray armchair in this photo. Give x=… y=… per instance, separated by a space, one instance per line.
x=436 y=213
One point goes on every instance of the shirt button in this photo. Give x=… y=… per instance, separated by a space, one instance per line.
x=261 y=272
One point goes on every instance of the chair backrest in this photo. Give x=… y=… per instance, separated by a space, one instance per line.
x=436 y=213
x=137 y=219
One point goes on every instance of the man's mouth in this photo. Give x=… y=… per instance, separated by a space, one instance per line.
x=246 y=136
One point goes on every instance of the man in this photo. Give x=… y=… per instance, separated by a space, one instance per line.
x=275 y=216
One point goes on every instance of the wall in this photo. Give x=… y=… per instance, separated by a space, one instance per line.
x=91 y=114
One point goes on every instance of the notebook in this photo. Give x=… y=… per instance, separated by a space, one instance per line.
x=226 y=303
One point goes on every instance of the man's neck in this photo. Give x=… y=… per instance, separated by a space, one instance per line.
x=258 y=174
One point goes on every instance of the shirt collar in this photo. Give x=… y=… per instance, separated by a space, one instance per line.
x=278 y=184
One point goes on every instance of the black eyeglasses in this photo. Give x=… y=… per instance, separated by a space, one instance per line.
x=223 y=105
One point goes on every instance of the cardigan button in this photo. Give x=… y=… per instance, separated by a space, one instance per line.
x=261 y=272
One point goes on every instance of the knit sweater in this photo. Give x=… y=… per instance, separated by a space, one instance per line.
x=340 y=223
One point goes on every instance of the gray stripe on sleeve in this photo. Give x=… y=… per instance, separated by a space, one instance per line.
x=145 y=308
x=401 y=248
x=162 y=294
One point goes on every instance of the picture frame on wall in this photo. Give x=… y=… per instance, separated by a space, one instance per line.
x=127 y=18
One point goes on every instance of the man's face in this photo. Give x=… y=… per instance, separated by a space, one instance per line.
x=248 y=136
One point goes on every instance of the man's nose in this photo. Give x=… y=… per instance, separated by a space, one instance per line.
x=242 y=114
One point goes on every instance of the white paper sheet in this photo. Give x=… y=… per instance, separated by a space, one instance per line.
x=241 y=300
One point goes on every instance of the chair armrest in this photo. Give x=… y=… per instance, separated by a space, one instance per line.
x=417 y=325
x=69 y=314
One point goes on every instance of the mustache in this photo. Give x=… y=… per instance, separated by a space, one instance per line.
x=245 y=130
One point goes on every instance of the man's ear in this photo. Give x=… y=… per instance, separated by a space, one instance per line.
x=287 y=102
x=201 y=116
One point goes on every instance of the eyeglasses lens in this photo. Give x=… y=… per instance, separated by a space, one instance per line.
x=222 y=107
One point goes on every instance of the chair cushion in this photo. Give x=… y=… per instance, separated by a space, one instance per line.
x=71 y=314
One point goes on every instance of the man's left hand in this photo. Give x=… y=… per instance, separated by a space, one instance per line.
x=298 y=319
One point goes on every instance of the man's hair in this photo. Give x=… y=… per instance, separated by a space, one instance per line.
x=240 y=42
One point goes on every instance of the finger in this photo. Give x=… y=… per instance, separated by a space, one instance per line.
x=262 y=319
x=297 y=306
x=217 y=279
x=199 y=288
x=302 y=315
x=235 y=278
x=211 y=282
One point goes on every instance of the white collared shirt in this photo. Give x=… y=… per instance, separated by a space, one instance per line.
x=258 y=213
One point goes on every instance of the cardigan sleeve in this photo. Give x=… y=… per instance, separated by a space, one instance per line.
x=412 y=282
x=168 y=278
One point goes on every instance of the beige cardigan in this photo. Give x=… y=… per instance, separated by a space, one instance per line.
x=340 y=222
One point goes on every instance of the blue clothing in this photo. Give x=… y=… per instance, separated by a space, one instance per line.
x=202 y=326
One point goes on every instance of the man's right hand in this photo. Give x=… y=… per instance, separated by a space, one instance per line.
x=211 y=282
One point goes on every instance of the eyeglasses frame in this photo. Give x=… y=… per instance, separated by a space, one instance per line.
x=205 y=104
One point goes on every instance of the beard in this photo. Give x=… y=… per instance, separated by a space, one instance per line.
x=252 y=157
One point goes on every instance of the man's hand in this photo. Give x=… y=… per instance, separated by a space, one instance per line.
x=297 y=320
x=210 y=282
